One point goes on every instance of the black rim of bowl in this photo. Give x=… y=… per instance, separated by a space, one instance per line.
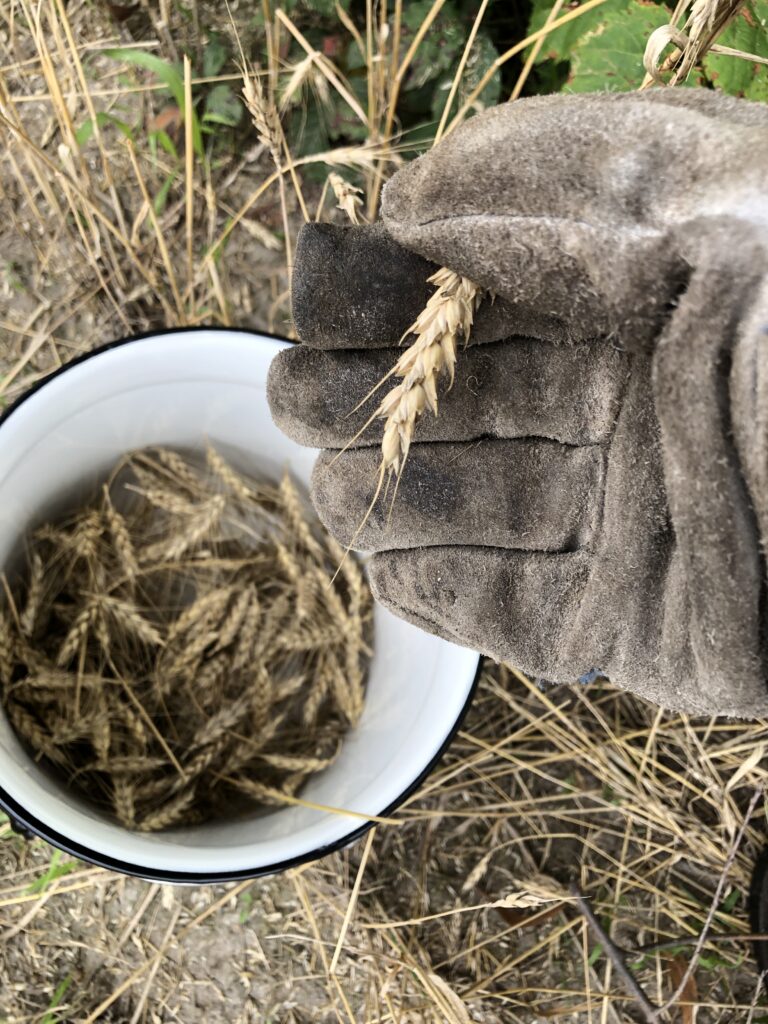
x=24 y=822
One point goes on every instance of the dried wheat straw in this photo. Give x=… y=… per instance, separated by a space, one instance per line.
x=194 y=660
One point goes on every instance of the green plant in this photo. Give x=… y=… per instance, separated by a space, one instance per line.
x=246 y=904
x=603 y=49
x=55 y=870
x=749 y=33
x=317 y=117
x=173 y=80
x=51 y=1016
x=214 y=107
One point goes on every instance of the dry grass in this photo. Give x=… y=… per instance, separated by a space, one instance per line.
x=640 y=806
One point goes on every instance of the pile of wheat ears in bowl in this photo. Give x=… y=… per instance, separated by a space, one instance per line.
x=175 y=651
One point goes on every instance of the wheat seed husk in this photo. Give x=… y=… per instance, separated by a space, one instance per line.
x=179 y=655
x=348 y=196
x=446 y=319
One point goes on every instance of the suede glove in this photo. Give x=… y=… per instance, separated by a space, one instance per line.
x=593 y=495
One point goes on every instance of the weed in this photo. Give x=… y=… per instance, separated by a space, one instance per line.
x=56 y=869
x=52 y=1017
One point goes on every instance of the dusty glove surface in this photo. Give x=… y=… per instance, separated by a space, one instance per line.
x=594 y=492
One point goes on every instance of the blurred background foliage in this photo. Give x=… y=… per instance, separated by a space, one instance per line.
x=600 y=50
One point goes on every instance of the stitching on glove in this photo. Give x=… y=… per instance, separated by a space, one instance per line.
x=634 y=230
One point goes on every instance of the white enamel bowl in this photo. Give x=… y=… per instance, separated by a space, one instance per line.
x=181 y=388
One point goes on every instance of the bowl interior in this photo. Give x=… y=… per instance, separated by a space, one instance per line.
x=183 y=388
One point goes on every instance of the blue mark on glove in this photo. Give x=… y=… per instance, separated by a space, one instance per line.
x=591 y=676
x=588 y=677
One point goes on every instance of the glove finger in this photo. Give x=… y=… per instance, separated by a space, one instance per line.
x=588 y=159
x=503 y=390
x=563 y=280
x=591 y=159
x=727 y=110
x=533 y=495
x=512 y=605
x=356 y=287
x=559 y=202
x=353 y=287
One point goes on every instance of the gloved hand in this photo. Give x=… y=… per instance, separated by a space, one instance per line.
x=594 y=492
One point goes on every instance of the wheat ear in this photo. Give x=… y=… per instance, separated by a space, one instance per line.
x=264 y=116
x=348 y=196
x=447 y=316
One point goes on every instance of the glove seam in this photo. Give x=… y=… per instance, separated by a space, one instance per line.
x=633 y=229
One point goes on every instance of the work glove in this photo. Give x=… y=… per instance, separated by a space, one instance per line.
x=592 y=497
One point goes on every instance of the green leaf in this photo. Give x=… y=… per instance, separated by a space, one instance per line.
x=85 y=131
x=168 y=75
x=222 y=106
x=440 y=49
x=559 y=45
x=55 y=870
x=738 y=77
x=61 y=990
x=308 y=132
x=730 y=901
x=418 y=140
x=324 y=8
x=166 y=143
x=162 y=196
x=214 y=55
x=246 y=903
x=481 y=57
x=711 y=961
x=610 y=57
x=166 y=72
x=595 y=955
